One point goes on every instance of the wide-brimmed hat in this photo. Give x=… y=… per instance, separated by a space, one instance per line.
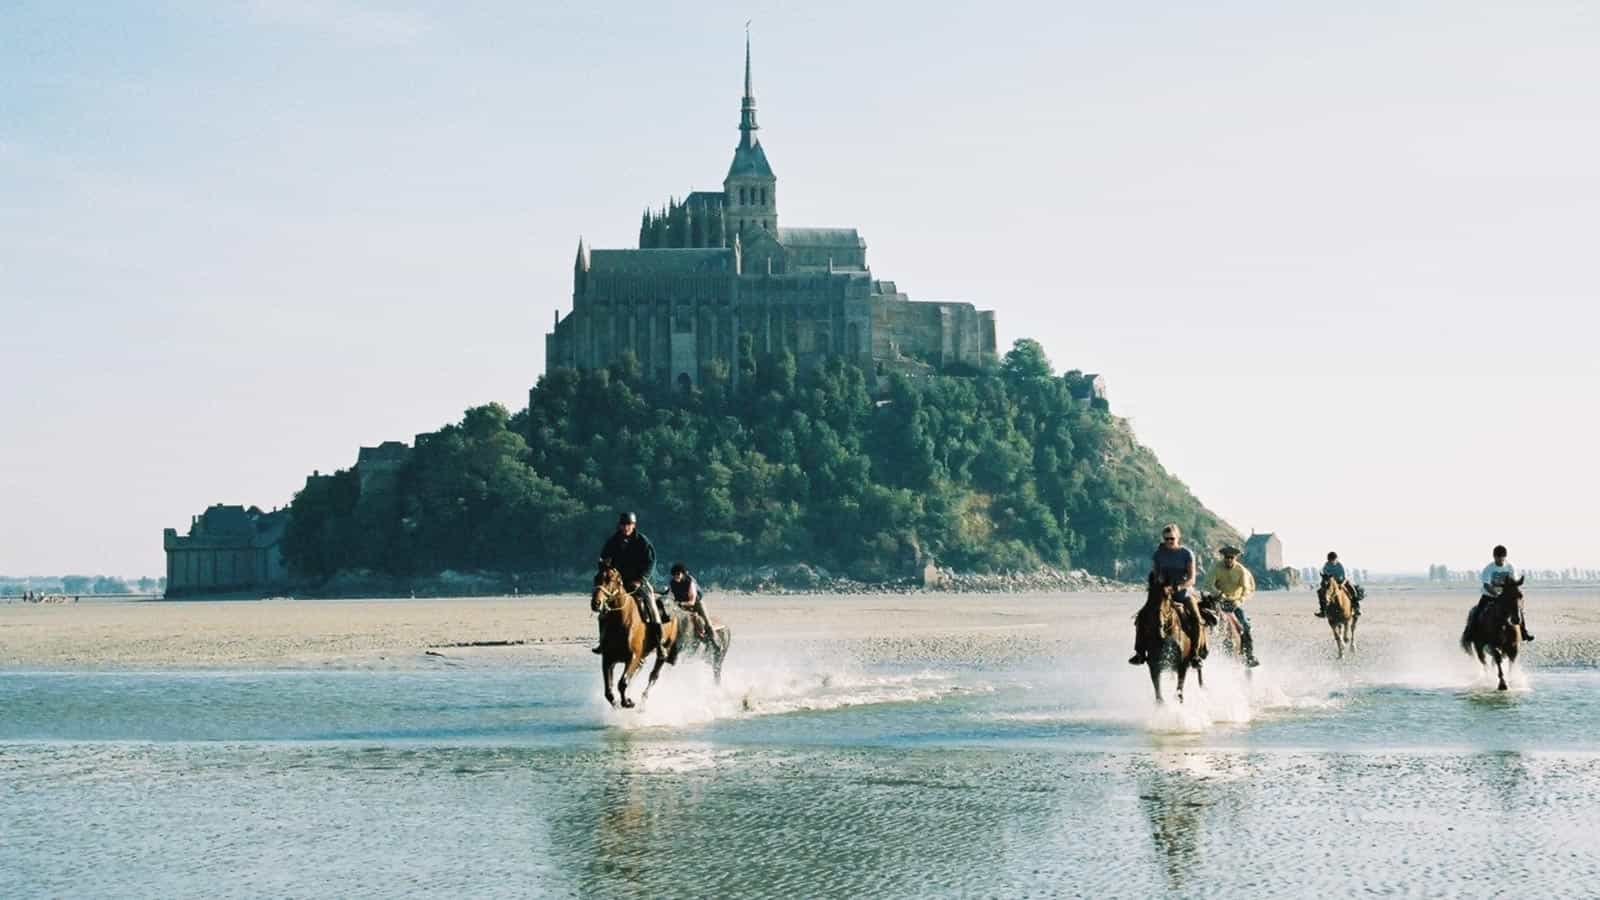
x=1229 y=550
x=626 y=518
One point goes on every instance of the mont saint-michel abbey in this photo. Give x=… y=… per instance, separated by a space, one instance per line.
x=719 y=265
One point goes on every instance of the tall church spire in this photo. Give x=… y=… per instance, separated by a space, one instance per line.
x=747 y=109
x=750 y=191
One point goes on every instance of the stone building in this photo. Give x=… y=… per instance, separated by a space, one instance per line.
x=1263 y=552
x=718 y=266
x=227 y=549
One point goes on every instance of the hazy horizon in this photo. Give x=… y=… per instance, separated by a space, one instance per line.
x=239 y=241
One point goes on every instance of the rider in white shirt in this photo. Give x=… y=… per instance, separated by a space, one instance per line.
x=1497 y=573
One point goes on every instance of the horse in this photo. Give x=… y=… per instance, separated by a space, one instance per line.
x=694 y=643
x=1490 y=625
x=1220 y=620
x=1341 y=616
x=1165 y=637
x=624 y=630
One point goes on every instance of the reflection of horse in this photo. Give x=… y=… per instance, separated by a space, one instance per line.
x=1341 y=616
x=1165 y=636
x=1491 y=625
x=624 y=631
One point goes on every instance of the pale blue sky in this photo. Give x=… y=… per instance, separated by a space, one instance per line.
x=239 y=240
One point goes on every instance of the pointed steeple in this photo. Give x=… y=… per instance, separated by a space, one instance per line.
x=582 y=263
x=747 y=109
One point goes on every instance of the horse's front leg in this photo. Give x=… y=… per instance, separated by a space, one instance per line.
x=606 y=665
x=1183 y=672
x=634 y=662
x=1155 y=679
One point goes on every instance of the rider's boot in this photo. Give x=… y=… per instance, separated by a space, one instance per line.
x=1138 y=658
x=711 y=635
x=1248 y=645
x=599 y=644
x=1322 y=608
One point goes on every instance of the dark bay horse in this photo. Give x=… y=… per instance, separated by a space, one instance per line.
x=1220 y=619
x=624 y=630
x=1491 y=626
x=1341 y=616
x=1165 y=637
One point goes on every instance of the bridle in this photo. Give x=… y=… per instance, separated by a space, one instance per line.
x=612 y=595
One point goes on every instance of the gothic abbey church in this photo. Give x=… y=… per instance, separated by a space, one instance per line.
x=719 y=266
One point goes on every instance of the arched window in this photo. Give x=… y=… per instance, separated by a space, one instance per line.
x=741 y=196
x=684 y=381
x=763 y=196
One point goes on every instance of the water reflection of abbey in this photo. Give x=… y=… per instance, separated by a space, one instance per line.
x=718 y=267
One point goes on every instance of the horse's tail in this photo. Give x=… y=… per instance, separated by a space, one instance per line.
x=1466 y=633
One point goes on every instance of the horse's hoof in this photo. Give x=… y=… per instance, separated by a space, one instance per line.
x=627 y=704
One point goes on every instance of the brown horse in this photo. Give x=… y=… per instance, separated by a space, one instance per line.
x=1490 y=626
x=1341 y=616
x=1165 y=636
x=624 y=630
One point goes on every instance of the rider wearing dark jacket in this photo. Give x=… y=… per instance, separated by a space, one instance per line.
x=635 y=558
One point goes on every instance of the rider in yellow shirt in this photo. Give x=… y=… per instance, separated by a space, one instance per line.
x=1235 y=584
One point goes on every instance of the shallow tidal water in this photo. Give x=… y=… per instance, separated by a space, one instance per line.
x=1027 y=759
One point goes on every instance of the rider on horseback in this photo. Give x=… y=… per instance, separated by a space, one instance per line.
x=1495 y=575
x=1235 y=584
x=635 y=558
x=1173 y=564
x=686 y=592
x=1333 y=573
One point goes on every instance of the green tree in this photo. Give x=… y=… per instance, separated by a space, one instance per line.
x=1026 y=359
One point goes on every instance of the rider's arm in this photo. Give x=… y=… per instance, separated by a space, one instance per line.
x=1189 y=576
x=1249 y=585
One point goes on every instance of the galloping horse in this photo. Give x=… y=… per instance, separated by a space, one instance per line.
x=1341 y=616
x=1489 y=625
x=692 y=642
x=1165 y=637
x=1220 y=619
x=623 y=633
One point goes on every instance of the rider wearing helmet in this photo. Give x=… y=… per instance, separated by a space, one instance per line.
x=1233 y=581
x=1173 y=564
x=1497 y=574
x=635 y=558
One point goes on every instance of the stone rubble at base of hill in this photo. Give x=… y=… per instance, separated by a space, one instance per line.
x=794 y=578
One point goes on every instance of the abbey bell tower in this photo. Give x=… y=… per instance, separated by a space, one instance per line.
x=750 y=188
